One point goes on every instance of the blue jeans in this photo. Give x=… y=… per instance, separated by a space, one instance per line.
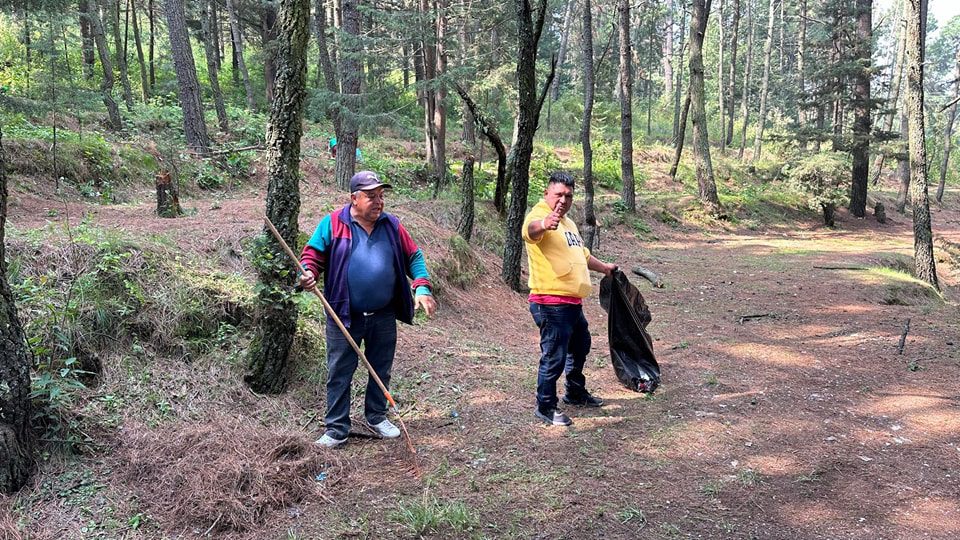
x=378 y=334
x=564 y=344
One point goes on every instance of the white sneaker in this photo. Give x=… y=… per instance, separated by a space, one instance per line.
x=385 y=429
x=329 y=441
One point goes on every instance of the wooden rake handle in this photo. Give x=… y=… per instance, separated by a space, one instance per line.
x=333 y=315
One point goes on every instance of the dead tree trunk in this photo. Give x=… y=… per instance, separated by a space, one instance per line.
x=270 y=351
x=701 y=140
x=924 y=263
x=168 y=196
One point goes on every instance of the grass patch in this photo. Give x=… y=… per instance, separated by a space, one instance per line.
x=430 y=515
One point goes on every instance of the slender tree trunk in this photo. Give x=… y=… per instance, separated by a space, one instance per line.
x=106 y=82
x=745 y=99
x=701 y=140
x=677 y=87
x=681 y=135
x=529 y=27
x=924 y=262
x=268 y=33
x=237 y=37
x=270 y=351
x=948 y=135
x=467 y=188
x=732 y=88
x=86 y=40
x=765 y=86
x=861 y=104
x=151 y=17
x=561 y=55
x=138 y=43
x=16 y=437
x=720 y=97
x=589 y=229
x=489 y=130
x=121 y=56
x=350 y=74
x=903 y=162
x=469 y=125
x=896 y=81
x=439 y=119
x=666 y=57
x=801 y=70
x=194 y=128
x=628 y=195
x=211 y=54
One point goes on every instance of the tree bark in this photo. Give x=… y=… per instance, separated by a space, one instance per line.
x=948 y=135
x=529 y=27
x=237 y=37
x=861 y=104
x=924 y=262
x=151 y=17
x=801 y=69
x=106 y=82
x=561 y=55
x=489 y=130
x=194 y=128
x=138 y=43
x=745 y=99
x=114 y=9
x=666 y=57
x=211 y=53
x=701 y=140
x=16 y=437
x=903 y=163
x=628 y=195
x=765 y=85
x=720 y=97
x=268 y=33
x=168 y=196
x=439 y=120
x=467 y=188
x=732 y=88
x=896 y=76
x=86 y=40
x=681 y=135
x=270 y=351
x=589 y=229
x=350 y=72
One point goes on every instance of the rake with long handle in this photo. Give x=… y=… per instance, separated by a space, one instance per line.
x=333 y=315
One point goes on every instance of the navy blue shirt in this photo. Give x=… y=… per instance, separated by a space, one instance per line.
x=371 y=277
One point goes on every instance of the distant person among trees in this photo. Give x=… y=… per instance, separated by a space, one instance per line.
x=332 y=146
x=365 y=256
x=559 y=281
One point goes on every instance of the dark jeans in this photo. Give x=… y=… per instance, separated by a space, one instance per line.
x=564 y=344
x=378 y=334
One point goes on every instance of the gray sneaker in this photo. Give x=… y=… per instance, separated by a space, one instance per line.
x=385 y=429
x=329 y=441
x=553 y=417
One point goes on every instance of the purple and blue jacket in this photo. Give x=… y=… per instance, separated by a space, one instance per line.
x=328 y=253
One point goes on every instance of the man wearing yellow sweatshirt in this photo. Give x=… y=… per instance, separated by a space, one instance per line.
x=559 y=281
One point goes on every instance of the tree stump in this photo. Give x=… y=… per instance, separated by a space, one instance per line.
x=168 y=199
x=880 y=212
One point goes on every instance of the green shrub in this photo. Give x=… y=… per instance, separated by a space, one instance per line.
x=823 y=178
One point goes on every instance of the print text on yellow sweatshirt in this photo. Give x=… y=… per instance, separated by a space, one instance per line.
x=558 y=261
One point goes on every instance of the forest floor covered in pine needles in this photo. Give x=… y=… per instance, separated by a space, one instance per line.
x=786 y=409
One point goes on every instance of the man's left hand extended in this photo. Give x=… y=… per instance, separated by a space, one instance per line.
x=426 y=302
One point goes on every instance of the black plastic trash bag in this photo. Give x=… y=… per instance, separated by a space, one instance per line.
x=631 y=348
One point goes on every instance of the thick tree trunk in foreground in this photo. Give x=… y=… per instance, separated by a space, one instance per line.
x=765 y=86
x=924 y=264
x=16 y=438
x=701 y=140
x=270 y=351
x=350 y=72
x=106 y=82
x=194 y=128
x=861 y=105
x=212 y=54
x=628 y=195
x=589 y=228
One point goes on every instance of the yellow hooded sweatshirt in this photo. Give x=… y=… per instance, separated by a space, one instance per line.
x=558 y=261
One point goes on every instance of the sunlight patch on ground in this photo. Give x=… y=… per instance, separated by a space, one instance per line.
x=769 y=354
x=933 y=515
x=810 y=513
x=936 y=416
x=781 y=464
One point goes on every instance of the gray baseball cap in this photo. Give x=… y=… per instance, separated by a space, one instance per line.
x=366 y=180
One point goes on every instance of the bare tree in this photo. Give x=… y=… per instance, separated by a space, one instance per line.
x=923 y=260
x=270 y=353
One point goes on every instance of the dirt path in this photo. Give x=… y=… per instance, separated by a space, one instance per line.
x=801 y=422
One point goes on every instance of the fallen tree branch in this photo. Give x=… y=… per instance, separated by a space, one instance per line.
x=649 y=275
x=744 y=318
x=861 y=268
x=258 y=147
x=903 y=337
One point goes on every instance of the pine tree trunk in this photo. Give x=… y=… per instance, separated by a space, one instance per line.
x=120 y=55
x=745 y=99
x=720 y=50
x=681 y=135
x=467 y=188
x=489 y=130
x=138 y=43
x=924 y=263
x=732 y=88
x=439 y=119
x=268 y=33
x=106 y=82
x=765 y=86
x=861 y=104
x=666 y=57
x=896 y=82
x=194 y=128
x=16 y=437
x=589 y=229
x=801 y=70
x=212 y=54
x=350 y=73
x=529 y=27
x=237 y=38
x=628 y=195
x=903 y=162
x=151 y=17
x=948 y=135
x=561 y=55
x=86 y=40
x=269 y=355
x=698 y=110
